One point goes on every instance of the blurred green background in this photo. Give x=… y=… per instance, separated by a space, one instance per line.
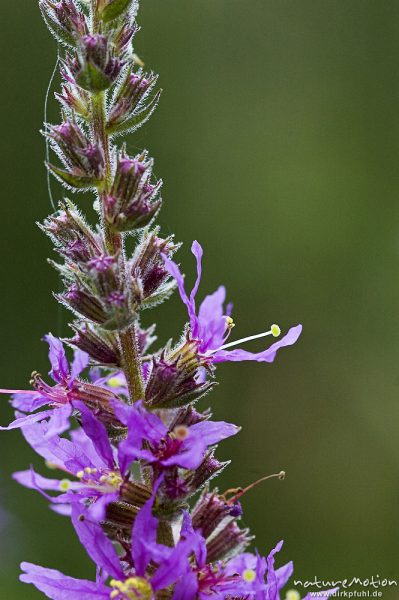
x=278 y=141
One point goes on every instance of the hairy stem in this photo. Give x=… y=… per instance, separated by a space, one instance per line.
x=131 y=362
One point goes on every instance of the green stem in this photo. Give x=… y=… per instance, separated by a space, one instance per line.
x=165 y=534
x=131 y=362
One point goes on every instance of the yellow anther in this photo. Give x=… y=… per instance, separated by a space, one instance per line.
x=112 y=478
x=181 y=432
x=275 y=329
x=230 y=323
x=131 y=589
x=64 y=485
x=249 y=575
x=80 y=474
x=115 y=382
x=293 y=595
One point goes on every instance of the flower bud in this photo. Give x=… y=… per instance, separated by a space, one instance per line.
x=188 y=416
x=209 y=468
x=132 y=201
x=210 y=510
x=150 y=280
x=83 y=302
x=173 y=378
x=134 y=103
x=83 y=160
x=64 y=20
x=96 y=67
x=71 y=235
x=102 y=346
x=230 y=541
x=74 y=99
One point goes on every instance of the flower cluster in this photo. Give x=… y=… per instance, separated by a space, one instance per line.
x=118 y=422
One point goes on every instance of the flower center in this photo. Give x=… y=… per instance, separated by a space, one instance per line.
x=134 y=588
x=249 y=575
x=210 y=577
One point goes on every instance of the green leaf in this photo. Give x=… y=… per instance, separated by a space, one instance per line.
x=92 y=79
x=136 y=120
x=114 y=9
x=80 y=182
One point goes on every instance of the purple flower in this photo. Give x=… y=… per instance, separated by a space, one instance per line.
x=183 y=447
x=244 y=576
x=58 y=397
x=212 y=325
x=88 y=456
x=131 y=581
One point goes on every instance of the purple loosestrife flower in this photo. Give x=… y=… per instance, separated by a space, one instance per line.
x=150 y=440
x=212 y=325
x=135 y=577
x=240 y=577
x=58 y=396
x=88 y=456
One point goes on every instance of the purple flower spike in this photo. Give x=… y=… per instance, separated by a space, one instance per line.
x=213 y=323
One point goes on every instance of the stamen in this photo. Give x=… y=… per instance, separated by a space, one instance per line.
x=293 y=595
x=238 y=492
x=114 y=382
x=249 y=575
x=274 y=331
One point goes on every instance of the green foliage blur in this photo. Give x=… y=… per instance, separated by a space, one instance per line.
x=277 y=138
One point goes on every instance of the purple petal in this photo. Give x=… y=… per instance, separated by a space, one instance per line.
x=59 y=421
x=186 y=588
x=27 y=420
x=97 y=433
x=141 y=425
x=267 y=355
x=62 y=509
x=62 y=452
x=32 y=481
x=97 y=510
x=212 y=322
x=188 y=530
x=86 y=446
x=79 y=363
x=57 y=586
x=144 y=536
x=272 y=581
x=174 y=270
x=213 y=432
x=284 y=573
x=100 y=549
x=58 y=360
x=197 y=250
x=28 y=402
x=190 y=453
x=174 y=565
